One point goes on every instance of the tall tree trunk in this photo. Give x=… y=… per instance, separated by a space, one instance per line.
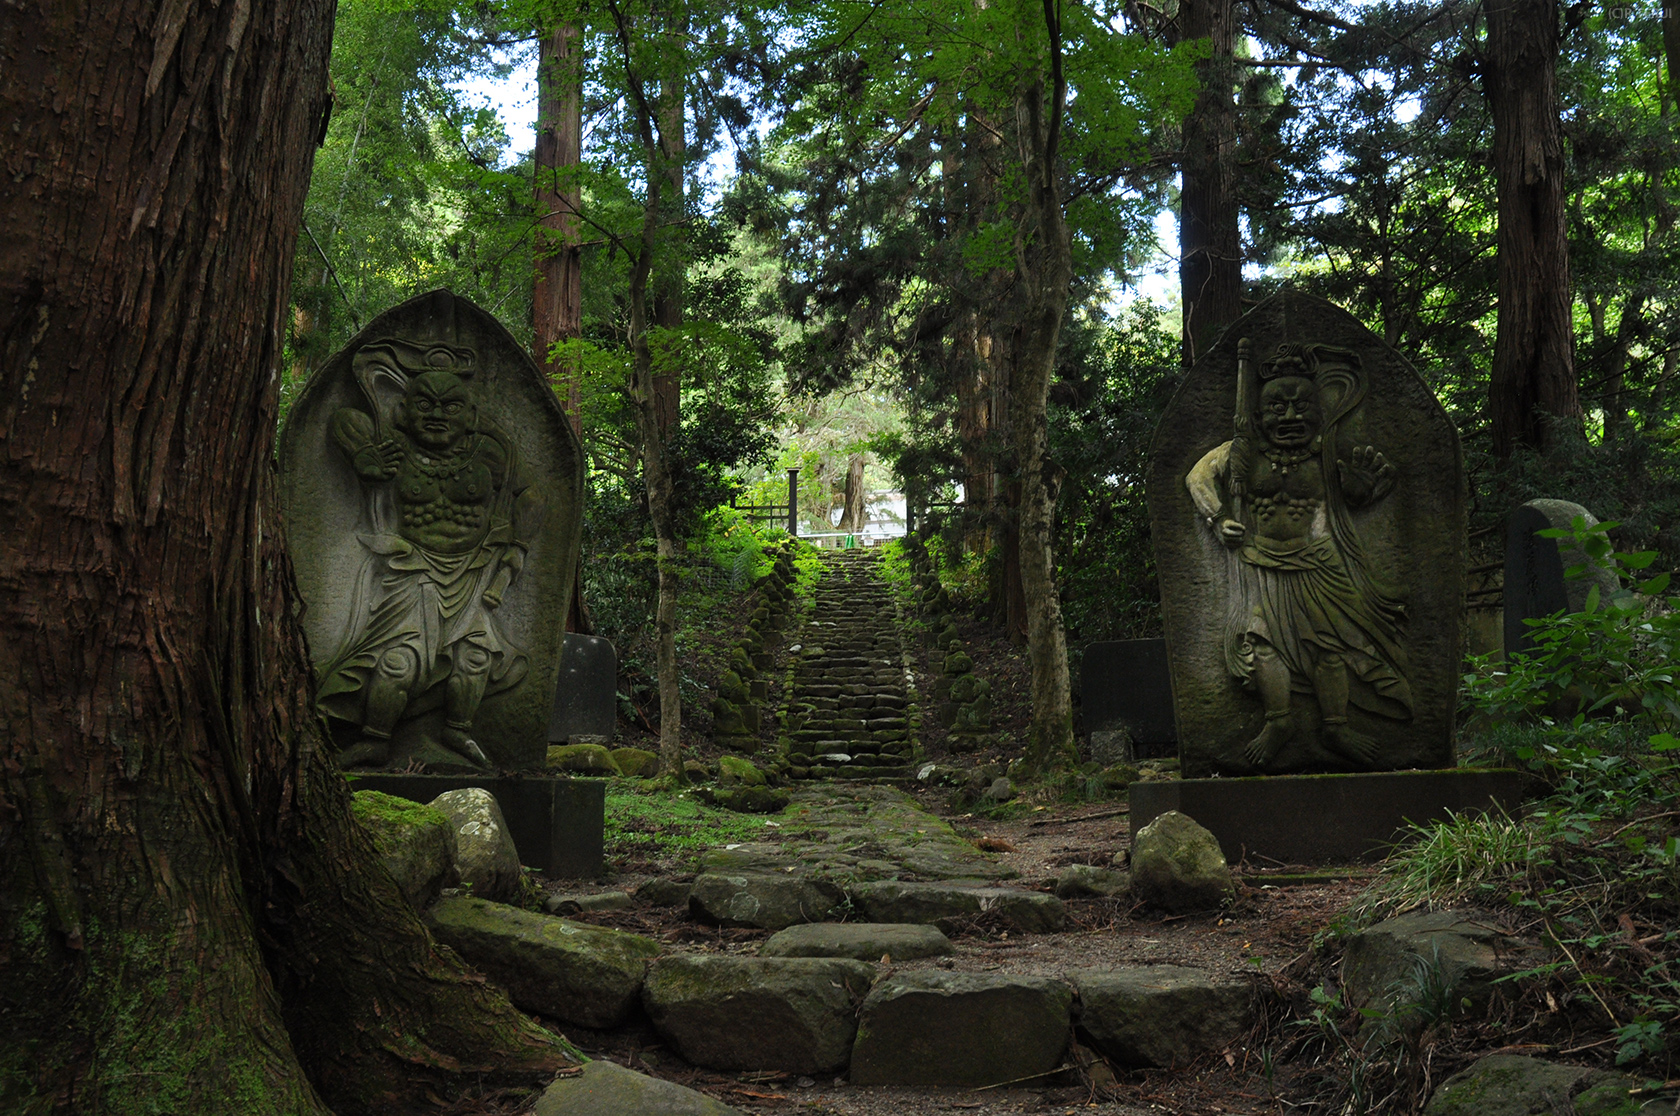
x=557 y=302
x=557 y=297
x=653 y=424
x=191 y=921
x=670 y=262
x=1045 y=267
x=853 y=514
x=1534 y=347
x=1210 y=248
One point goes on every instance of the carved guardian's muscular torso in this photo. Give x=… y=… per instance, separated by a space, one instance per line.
x=463 y=516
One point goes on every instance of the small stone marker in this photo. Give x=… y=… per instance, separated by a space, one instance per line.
x=1534 y=568
x=586 y=698
x=1306 y=496
x=1125 y=693
x=431 y=489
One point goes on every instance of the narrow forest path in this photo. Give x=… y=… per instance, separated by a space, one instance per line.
x=851 y=703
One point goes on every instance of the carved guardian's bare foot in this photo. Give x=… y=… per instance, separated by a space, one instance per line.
x=1265 y=747
x=457 y=741
x=1356 y=746
x=369 y=751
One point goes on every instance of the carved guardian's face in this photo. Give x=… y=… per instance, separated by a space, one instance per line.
x=1289 y=414
x=437 y=411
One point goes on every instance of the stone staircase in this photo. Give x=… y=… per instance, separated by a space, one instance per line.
x=849 y=705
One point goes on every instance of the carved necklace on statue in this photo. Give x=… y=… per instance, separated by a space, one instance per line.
x=1284 y=460
x=446 y=468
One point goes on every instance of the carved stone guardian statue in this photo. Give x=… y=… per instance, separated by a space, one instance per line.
x=1306 y=501
x=432 y=492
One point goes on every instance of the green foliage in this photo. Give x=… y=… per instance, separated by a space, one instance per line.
x=1613 y=659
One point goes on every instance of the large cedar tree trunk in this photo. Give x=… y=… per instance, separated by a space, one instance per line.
x=1534 y=346
x=557 y=295
x=557 y=302
x=190 y=918
x=1210 y=250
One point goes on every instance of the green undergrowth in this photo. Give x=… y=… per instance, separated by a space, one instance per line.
x=1592 y=869
x=664 y=822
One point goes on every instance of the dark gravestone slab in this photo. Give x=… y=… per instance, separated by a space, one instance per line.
x=556 y=823
x=586 y=699
x=1310 y=549
x=1327 y=819
x=432 y=492
x=1534 y=568
x=1124 y=686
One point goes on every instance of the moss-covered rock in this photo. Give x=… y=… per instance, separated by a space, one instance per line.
x=1030 y=912
x=732 y=689
x=958 y=662
x=1513 y=1085
x=733 y=770
x=582 y=759
x=1160 y=1015
x=1079 y=881
x=860 y=941
x=797 y=1015
x=416 y=843
x=765 y=902
x=607 y=1089
x=749 y=800
x=484 y=851
x=636 y=763
x=936 y=1028
x=1178 y=865
x=588 y=976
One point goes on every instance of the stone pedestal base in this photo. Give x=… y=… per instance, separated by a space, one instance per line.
x=1326 y=819
x=556 y=823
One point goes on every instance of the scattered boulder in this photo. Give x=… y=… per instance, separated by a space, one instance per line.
x=588 y=976
x=607 y=1089
x=1177 y=865
x=1513 y=1085
x=1118 y=777
x=1031 y=912
x=1420 y=955
x=582 y=759
x=942 y=1028
x=696 y=771
x=1160 y=1015
x=1079 y=881
x=484 y=853
x=765 y=902
x=941 y=775
x=798 y=1015
x=663 y=893
x=735 y=771
x=416 y=843
x=861 y=941
x=1001 y=790
x=636 y=763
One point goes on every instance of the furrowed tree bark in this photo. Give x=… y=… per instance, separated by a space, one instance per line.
x=1210 y=248
x=1533 y=379
x=557 y=304
x=1045 y=267
x=191 y=921
x=557 y=296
